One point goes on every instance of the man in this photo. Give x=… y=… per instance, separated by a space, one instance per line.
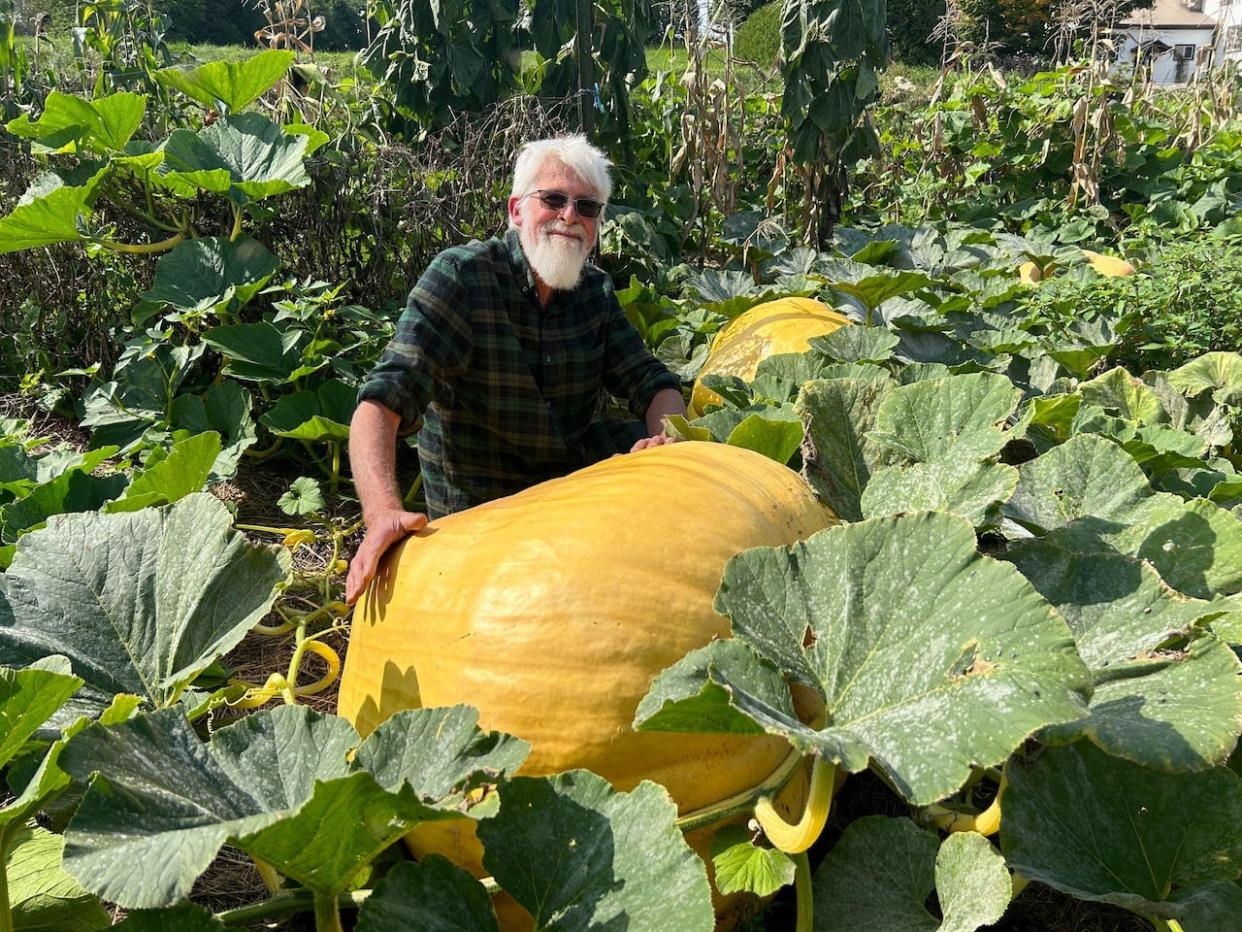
x=509 y=346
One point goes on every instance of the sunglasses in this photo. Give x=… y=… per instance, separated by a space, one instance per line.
x=554 y=200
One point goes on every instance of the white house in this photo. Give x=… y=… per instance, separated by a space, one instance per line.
x=1179 y=38
x=1228 y=15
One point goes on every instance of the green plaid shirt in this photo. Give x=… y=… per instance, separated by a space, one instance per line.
x=513 y=393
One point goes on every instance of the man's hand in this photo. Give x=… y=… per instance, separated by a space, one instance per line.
x=384 y=530
x=657 y=441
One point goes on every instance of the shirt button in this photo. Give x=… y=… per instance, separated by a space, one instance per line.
x=547 y=358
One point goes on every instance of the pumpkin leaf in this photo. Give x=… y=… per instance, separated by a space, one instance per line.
x=741 y=866
x=303 y=497
x=278 y=784
x=839 y=460
x=578 y=854
x=259 y=352
x=957 y=418
x=71 y=492
x=70 y=123
x=1166 y=708
x=199 y=275
x=1104 y=829
x=28 y=698
x=1124 y=395
x=777 y=436
x=185 y=470
x=972 y=490
x=857 y=344
x=245 y=154
x=895 y=621
x=318 y=416
x=436 y=751
x=434 y=895
x=225 y=409
x=231 y=84
x=41 y=895
x=879 y=876
x=140 y=603
x=1219 y=373
x=1089 y=496
x=52 y=218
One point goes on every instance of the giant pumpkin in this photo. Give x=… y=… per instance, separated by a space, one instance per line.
x=552 y=610
x=783 y=326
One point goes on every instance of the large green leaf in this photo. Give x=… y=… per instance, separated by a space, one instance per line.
x=1124 y=395
x=957 y=418
x=185 y=917
x=436 y=751
x=929 y=657
x=1101 y=828
x=1219 y=373
x=42 y=896
x=28 y=698
x=184 y=470
x=225 y=409
x=972 y=490
x=879 y=876
x=70 y=123
x=140 y=603
x=1168 y=708
x=434 y=895
x=839 y=457
x=279 y=784
x=53 y=218
x=776 y=436
x=321 y=415
x=578 y=854
x=1089 y=496
x=246 y=154
x=201 y=274
x=233 y=84
x=69 y=493
x=259 y=352
x=857 y=344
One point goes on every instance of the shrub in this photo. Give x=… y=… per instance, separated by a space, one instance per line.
x=910 y=22
x=759 y=38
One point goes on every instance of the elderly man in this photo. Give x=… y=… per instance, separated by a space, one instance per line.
x=509 y=346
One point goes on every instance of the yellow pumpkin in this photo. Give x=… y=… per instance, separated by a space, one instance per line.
x=552 y=610
x=1109 y=266
x=783 y=326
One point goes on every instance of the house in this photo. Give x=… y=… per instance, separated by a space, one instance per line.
x=1177 y=39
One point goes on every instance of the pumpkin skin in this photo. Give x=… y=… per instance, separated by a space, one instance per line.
x=783 y=326
x=552 y=610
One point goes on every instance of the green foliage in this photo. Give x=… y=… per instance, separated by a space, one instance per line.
x=1186 y=300
x=438 y=61
x=758 y=39
x=910 y=25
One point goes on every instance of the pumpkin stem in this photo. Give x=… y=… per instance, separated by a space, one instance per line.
x=794 y=838
x=803 y=893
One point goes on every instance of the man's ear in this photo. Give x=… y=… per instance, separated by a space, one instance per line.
x=515 y=211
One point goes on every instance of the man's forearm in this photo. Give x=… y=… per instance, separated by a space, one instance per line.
x=664 y=403
x=373 y=458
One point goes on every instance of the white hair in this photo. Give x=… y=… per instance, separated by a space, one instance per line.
x=574 y=152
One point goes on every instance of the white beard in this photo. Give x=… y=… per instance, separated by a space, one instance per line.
x=557 y=260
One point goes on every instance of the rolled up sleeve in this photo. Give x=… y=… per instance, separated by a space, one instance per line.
x=431 y=345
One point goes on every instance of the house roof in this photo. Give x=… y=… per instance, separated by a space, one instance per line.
x=1169 y=13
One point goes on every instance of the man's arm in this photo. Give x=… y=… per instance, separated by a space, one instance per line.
x=373 y=461
x=664 y=403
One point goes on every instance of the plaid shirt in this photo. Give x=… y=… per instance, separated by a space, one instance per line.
x=512 y=392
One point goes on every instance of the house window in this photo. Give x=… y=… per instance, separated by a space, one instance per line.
x=1183 y=52
x=1233 y=39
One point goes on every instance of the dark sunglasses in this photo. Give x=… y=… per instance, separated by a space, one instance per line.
x=554 y=200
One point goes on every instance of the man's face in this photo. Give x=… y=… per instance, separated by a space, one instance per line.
x=556 y=242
